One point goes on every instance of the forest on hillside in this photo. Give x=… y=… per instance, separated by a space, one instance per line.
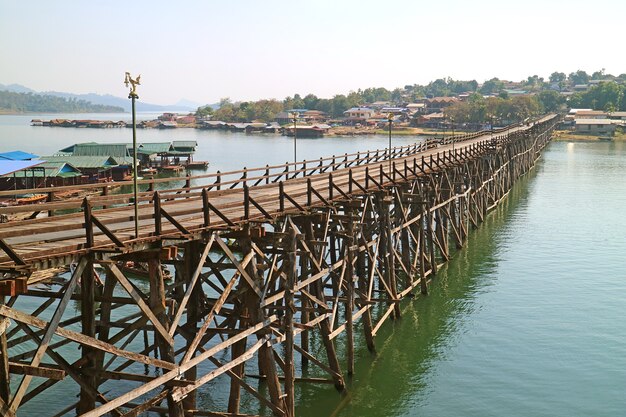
x=11 y=102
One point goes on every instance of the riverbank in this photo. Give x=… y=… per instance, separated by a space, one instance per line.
x=567 y=135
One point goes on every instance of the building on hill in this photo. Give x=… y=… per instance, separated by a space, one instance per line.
x=358 y=115
x=438 y=104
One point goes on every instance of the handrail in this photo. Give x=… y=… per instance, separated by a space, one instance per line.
x=240 y=178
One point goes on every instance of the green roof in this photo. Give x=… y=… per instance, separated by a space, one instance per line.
x=82 y=162
x=100 y=149
x=156 y=147
x=178 y=144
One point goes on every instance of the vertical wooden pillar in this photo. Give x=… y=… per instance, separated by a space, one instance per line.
x=5 y=389
x=304 y=312
x=192 y=257
x=318 y=290
x=88 y=321
x=157 y=302
x=291 y=271
x=388 y=251
x=361 y=271
x=349 y=306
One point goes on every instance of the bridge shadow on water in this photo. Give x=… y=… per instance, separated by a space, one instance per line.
x=396 y=379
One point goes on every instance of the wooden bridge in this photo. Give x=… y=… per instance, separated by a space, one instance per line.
x=267 y=263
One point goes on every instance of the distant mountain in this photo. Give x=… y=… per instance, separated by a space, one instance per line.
x=14 y=102
x=107 y=100
x=125 y=103
x=16 y=88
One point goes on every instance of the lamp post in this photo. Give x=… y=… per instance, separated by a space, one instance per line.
x=452 y=125
x=294 y=117
x=390 y=119
x=133 y=96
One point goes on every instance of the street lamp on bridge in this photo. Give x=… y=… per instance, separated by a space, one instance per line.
x=294 y=116
x=133 y=96
x=390 y=119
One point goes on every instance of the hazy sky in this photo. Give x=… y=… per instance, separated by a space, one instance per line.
x=245 y=50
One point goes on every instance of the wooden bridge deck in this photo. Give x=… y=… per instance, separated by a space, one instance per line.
x=319 y=246
x=184 y=213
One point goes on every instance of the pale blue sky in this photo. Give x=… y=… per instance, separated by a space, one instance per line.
x=205 y=50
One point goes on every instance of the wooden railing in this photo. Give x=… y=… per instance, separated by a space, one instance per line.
x=225 y=180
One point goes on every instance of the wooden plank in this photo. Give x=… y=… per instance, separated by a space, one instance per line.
x=40 y=371
x=4 y=325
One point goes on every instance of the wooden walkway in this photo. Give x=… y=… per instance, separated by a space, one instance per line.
x=258 y=195
x=270 y=267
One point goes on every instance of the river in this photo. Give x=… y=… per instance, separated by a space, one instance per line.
x=526 y=320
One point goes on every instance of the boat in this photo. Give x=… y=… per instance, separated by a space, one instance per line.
x=148 y=171
x=31 y=199
x=605 y=138
x=198 y=165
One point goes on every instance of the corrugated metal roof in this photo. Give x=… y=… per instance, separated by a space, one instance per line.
x=184 y=144
x=101 y=149
x=17 y=156
x=593 y=121
x=155 y=147
x=9 y=167
x=81 y=162
x=52 y=170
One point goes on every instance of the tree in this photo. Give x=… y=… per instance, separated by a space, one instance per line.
x=578 y=77
x=550 y=100
x=204 y=111
x=557 y=77
x=491 y=86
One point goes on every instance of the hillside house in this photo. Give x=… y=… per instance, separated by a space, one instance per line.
x=357 y=115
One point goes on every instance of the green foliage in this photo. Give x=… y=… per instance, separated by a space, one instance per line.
x=558 y=77
x=483 y=110
x=491 y=86
x=551 y=101
x=608 y=96
x=578 y=77
x=262 y=110
x=39 y=103
x=445 y=87
x=204 y=111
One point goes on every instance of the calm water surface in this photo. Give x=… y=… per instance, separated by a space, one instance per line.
x=526 y=320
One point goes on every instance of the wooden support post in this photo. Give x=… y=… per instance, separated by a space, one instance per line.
x=192 y=255
x=5 y=379
x=157 y=303
x=88 y=320
x=364 y=298
x=349 y=277
x=318 y=291
x=290 y=308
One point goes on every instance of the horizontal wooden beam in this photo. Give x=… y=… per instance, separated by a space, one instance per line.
x=40 y=371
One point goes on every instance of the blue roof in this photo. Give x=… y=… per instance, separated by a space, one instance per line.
x=9 y=167
x=17 y=156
